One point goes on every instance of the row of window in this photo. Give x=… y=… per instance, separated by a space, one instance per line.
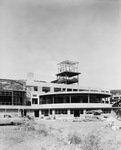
x=10 y=93
x=47 y=89
x=75 y=112
x=66 y=99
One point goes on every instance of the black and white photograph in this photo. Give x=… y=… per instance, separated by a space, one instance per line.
x=60 y=74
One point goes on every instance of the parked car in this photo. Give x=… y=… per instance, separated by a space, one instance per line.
x=8 y=119
x=94 y=112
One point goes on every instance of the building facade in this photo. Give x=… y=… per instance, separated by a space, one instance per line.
x=61 y=97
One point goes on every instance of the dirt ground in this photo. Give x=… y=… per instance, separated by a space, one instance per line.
x=58 y=134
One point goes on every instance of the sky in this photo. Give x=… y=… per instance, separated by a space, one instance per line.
x=36 y=35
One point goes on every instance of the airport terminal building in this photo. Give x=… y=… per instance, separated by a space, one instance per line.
x=61 y=97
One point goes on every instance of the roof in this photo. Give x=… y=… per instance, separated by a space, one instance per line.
x=68 y=73
x=68 y=62
x=106 y=94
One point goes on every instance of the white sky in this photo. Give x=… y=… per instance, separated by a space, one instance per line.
x=35 y=35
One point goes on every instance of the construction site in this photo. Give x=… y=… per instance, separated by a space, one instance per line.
x=63 y=96
x=59 y=115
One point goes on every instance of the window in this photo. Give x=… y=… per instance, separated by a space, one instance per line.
x=50 y=111
x=61 y=111
x=72 y=111
x=34 y=95
x=35 y=88
x=45 y=89
x=69 y=89
x=57 y=89
x=64 y=89
x=34 y=101
x=75 y=89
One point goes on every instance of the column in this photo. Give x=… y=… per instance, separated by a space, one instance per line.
x=12 y=97
x=52 y=89
x=109 y=99
x=40 y=113
x=38 y=100
x=68 y=112
x=53 y=99
x=105 y=100
x=88 y=98
x=40 y=89
x=84 y=111
x=53 y=112
x=70 y=99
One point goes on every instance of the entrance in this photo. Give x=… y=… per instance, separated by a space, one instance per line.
x=76 y=113
x=23 y=112
x=36 y=113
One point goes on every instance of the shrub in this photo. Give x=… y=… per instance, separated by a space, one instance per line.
x=42 y=131
x=36 y=128
x=118 y=113
x=74 y=138
x=91 y=142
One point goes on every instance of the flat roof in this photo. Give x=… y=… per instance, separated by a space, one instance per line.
x=68 y=62
x=76 y=93
x=68 y=73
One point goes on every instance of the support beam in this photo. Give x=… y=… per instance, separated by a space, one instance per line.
x=68 y=112
x=70 y=99
x=40 y=113
x=88 y=98
x=53 y=112
x=84 y=111
x=12 y=97
x=53 y=99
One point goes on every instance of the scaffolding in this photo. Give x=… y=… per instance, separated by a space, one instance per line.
x=67 y=72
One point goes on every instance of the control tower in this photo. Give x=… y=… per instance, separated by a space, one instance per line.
x=67 y=72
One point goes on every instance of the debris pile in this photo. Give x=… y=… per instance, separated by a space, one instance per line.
x=88 y=119
x=113 y=126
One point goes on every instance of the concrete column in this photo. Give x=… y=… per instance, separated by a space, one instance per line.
x=12 y=97
x=38 y=100
x=84 y=111
x=40 y=113
x=109 y=99
x=53 y=112
x=52 y=89
x=68 y=112
x=88 y=98
x=53 y=99
x=39 y=88
x=70 y=99
x=104 y=100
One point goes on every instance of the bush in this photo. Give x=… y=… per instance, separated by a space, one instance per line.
x=91 y=142
x=74 y=139
x=42 y=131
x=118 y=113
x=31 y=126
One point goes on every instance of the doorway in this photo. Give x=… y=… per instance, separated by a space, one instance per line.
x=36 y=113
x=76 y=113
x=25 y=112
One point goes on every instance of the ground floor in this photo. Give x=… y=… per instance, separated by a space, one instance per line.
x=40 y=113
